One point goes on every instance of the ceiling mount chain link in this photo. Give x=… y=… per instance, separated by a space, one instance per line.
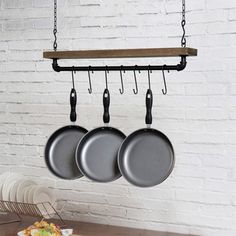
x=55 y=26
x=183 y=23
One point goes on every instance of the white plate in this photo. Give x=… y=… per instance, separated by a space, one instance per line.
x=43 y=194
x=9 y=181
x=21 y=189
x=31 y=194
x=2 y=180
x=26 y=194
x=13 y=191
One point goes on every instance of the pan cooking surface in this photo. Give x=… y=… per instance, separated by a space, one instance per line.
x=97 y=154
x=60 y=152
x=147 y=158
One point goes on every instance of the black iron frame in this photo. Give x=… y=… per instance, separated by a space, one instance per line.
x=179 y=67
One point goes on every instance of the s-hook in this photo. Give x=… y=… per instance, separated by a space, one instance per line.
x=135 y=80
x=149 y=79
x=164 y=80
x=90 y=90
x=73 y=79
x=106 y=72
x=121 y=80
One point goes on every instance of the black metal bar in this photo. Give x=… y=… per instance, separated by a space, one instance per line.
x=178 y=67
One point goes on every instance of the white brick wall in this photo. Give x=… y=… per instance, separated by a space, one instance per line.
x=198 y=114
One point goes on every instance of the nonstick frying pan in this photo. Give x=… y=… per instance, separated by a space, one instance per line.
x=61 y=146
x=96 y=153
x=146 y=157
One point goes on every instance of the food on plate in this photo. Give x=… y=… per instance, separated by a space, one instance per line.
x=42 y=228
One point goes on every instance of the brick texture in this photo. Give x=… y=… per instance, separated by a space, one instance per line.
x=198 y=114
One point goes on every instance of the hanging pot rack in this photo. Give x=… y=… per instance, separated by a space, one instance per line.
x=183 y=52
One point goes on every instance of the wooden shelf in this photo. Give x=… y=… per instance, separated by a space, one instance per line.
x=121 y=53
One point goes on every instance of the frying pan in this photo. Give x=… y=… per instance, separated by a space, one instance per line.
x=61 y=146
x=146 y=157
x=96 y=153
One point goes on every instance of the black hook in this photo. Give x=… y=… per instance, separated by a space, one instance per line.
x=73 y=79
x=136 y=83
x=106 y=72
x=90 y=90
x=164 y=80
x=149 y=77
x=121 y=79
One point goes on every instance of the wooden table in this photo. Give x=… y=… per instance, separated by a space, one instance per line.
x=85 y=229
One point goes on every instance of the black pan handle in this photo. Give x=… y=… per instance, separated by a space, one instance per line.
x=73 y=102
x=149 y=101
x=106 y=104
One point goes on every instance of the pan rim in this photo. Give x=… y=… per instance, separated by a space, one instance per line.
x=126 y=140
x=49 y=142
x=84 y=140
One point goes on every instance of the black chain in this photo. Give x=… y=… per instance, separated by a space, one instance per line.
x=183 y=23
x=55 y=26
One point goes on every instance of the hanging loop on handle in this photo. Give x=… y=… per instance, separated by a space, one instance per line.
x=149 y=102
x=106 y=105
